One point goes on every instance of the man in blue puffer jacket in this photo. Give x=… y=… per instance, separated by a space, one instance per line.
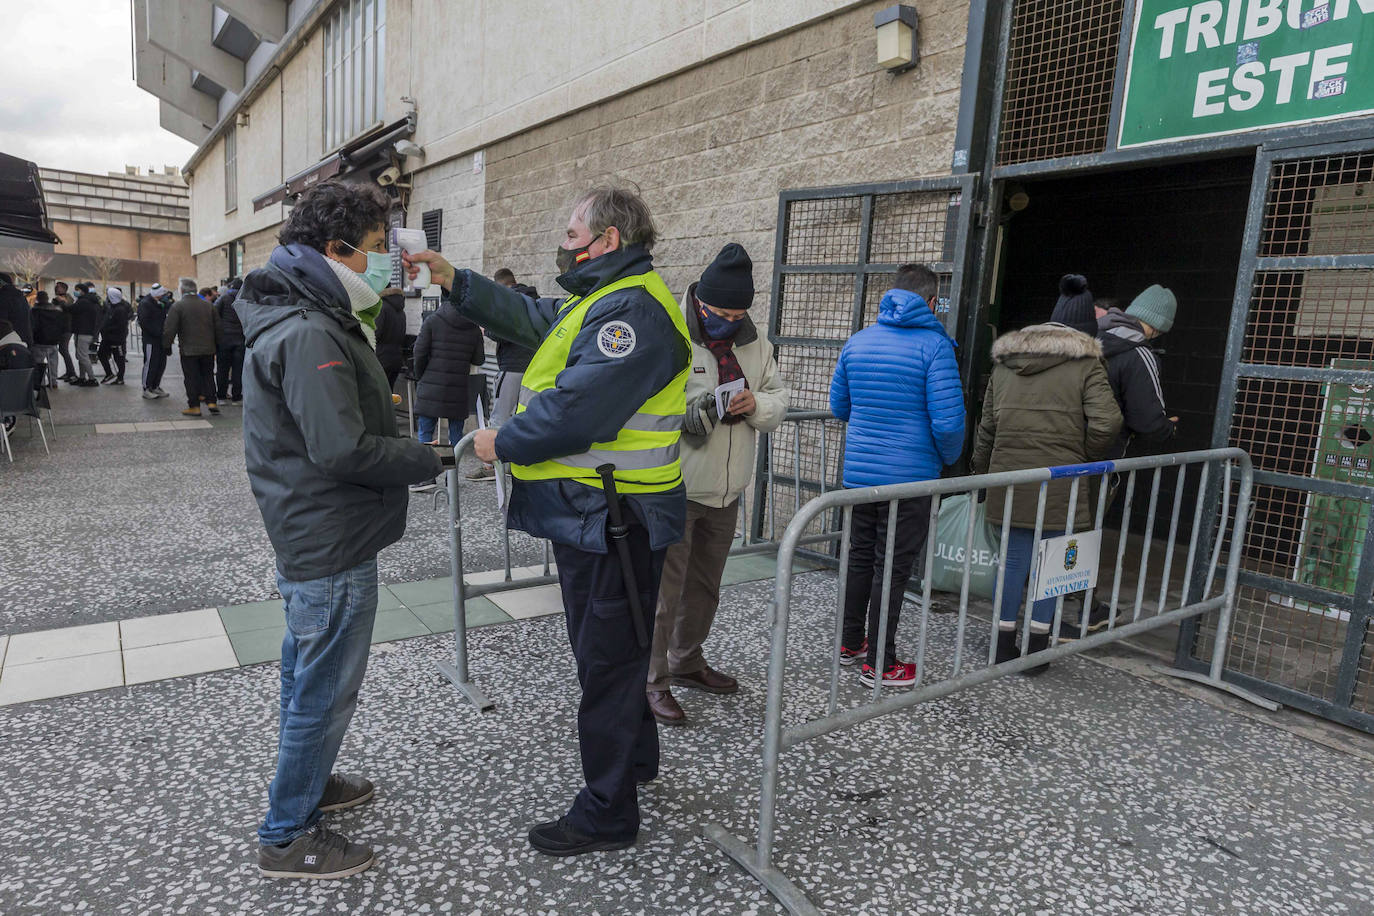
x=897 y=385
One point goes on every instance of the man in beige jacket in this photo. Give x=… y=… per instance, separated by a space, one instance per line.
x=717 y=464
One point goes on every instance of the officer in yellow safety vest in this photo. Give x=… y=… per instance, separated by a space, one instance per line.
x=606 y=386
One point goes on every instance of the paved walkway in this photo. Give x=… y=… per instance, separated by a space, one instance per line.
x=1086 y=791
x=43 y=664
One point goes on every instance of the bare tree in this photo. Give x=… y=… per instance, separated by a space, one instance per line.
x=27 y=264
x=106 y=268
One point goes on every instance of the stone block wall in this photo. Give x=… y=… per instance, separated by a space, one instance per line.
x=712 y=147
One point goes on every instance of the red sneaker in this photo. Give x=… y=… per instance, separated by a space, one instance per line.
x=898 y=674
x=853 y=656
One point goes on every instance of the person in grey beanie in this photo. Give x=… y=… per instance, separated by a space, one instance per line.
x=1133 y=368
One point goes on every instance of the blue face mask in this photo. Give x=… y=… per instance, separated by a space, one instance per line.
x=716 y=327
x=378 y=272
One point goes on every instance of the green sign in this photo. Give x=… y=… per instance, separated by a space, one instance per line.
x=1225 y=66
x=1334 y=527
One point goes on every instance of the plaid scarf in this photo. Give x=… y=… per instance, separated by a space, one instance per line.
x=727 y=365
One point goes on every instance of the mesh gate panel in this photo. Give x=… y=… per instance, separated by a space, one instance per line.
x=1319 y=206
x=1363 y=699
x=918 y=226
x=1301 y=410
x=830 y=247
x=824 y=231
x=1308 y=318
x=1059 y=78
x=816 y=305
x=1282 y=641
x=807 y=371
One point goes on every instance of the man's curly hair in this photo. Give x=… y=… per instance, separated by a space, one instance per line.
x=335 y=210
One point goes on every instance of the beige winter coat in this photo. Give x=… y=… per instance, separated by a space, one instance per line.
x=718 y=466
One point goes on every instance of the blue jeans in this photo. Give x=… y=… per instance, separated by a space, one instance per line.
x=323 y=658
x=426 y=428
x=1020 y=560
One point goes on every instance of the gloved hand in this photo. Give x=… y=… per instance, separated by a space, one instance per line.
x=700 y=417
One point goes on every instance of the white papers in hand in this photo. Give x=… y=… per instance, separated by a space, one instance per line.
x=724 y=393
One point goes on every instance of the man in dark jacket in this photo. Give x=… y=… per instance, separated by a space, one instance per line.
x=391 y=333
x=152 y=317
x=63 y=299
x=229 y=357
x=194 y=319
x=1133 y=369
x=86 y=321
x=896 y=385
x=329 y=470
x=49 y=324
x=448 y=344
x=14 y=308
x=114 y=334
x=606 y=386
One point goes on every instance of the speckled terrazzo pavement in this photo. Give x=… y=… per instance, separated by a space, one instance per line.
x=132 y=524
x=144 y=800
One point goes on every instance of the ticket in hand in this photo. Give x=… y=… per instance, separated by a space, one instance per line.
x=412 y=241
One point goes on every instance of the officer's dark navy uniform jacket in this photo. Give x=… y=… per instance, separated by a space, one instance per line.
x=586 y=407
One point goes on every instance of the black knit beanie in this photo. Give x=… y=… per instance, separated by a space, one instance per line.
x=728 y=282
x=1075 y=305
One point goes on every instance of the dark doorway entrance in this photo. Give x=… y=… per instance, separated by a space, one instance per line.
x=1181 y=226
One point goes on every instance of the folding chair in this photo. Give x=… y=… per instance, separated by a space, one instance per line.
x=17 y=397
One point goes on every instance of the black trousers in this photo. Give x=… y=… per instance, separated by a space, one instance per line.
x=863 y=591
x=229 y=372
x=199 y=373
x=154 y=363
x=64 y=349
x=110 y=349
x=616 y=732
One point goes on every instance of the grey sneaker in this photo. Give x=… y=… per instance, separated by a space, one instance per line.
x=482 y=473
x=345 y=792
x=320 y=854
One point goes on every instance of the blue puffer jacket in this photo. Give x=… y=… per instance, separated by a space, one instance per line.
x=897 y=385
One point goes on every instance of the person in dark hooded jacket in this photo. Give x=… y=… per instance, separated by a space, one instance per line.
x=114 y=334
x=86 y=320
x=230 y=349
x=329 y=470
x=391 y=333
x=448 y=344
x=1048 y=403
x=152 y=319
x=1133 y=368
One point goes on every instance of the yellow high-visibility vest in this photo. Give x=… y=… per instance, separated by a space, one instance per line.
x=645 y=451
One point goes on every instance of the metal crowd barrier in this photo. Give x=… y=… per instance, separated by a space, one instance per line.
x=750 y=540
x=1199 y=577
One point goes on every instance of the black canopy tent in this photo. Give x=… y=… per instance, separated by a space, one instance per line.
x=23 y=214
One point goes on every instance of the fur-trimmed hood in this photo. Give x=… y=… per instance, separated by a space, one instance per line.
x=1043 y=346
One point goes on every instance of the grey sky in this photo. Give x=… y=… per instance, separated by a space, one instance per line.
x=69 y=98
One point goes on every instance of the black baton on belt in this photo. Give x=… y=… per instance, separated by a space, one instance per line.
x=618 y=531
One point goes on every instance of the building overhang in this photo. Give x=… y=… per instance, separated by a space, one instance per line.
x=369 y=151
x=185 y=29
x=23 y=214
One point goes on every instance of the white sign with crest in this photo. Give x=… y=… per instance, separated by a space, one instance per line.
x=1067 y=564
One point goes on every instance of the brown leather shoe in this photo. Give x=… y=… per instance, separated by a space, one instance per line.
x=665 y=708
x=708 y=679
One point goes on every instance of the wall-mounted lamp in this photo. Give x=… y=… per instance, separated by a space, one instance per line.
x=896 y=27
